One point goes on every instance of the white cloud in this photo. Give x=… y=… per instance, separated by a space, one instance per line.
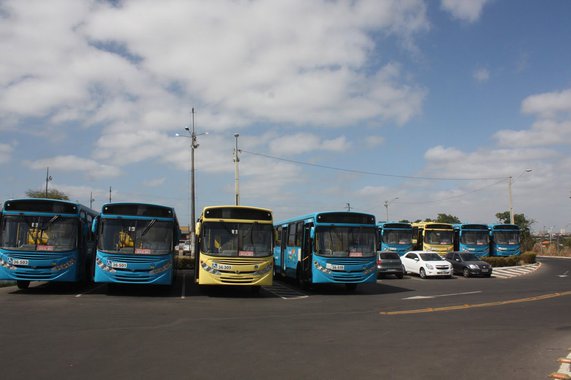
x=156 y=182
x=481 y=75
x=374 y=141
x=5 y=153
x=548 y=105
x=465 y=10
x=76 y=164
x=306 y=142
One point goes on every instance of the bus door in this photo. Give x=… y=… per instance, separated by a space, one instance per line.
x=306 y=252
x=283 y=248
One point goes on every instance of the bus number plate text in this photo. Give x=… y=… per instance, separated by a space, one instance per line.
x=335 y=267
x=221 y=266
x=20 y=262
x=118 y=265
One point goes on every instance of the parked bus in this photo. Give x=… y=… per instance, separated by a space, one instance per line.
x=234 y=246
x=45 y=240
x=327 y=247
x=504 y=239
x=396 y=237
x=472 y=238
x=136 y=244
x=433 y=236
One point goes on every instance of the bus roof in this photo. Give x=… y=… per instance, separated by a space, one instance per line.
x=470 y=226
x=433 y=225
x=138 y=210
x=334 y=217
x=499 y=226
x=45 y=205
x=395 y=225
x=233 y=212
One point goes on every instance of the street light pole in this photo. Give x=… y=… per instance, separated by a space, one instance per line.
x=193 y=145
x=236 y=172
x=387 y=203
x=48 y=179
x=510 y=180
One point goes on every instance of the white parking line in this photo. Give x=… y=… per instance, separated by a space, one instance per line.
x=441 y=295
x=284 y=292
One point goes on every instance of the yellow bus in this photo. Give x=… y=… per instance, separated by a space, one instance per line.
x=433 y=236
x=234 y=246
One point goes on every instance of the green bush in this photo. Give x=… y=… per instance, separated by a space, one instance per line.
x=511 y=261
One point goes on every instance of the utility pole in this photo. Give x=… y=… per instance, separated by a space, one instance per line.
x=91 y=200
x=109 y=194
x=348 y=206
x=236 y=172
x=48 y=178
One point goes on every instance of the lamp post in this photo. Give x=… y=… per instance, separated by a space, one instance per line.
x=387 y=203
x=193 y=145
x=510 y=181
x=48 y=179
x=236 y=173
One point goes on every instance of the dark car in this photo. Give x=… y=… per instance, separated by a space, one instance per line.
x=389 y=263
x=468 y=264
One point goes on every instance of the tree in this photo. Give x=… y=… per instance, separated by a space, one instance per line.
x=524 y=225
x=445 y=218
x=52 y=194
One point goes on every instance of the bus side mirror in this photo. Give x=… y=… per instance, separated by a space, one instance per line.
x=312 y=233
x=95 y=225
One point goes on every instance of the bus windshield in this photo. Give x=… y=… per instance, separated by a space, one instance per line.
x=39 y=233
x=345 y=241
x=139 y=237
x=475 y=237
x=397 y=237
x=506 y=237
x=237 y=239
x=439 y=237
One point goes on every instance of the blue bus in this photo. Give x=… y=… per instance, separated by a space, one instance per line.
x=327 y=247
x=45 y=240
x=504 y=239
x=136 y=244
x=472 y=238
x=395 y=236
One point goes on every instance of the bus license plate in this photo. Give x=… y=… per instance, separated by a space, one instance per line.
x=221 y=266
x=20 y=262
x=335 y=266
x=118 y=265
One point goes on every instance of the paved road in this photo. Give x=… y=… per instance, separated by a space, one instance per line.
x=411 y=328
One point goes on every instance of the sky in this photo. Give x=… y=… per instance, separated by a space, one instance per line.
x=427 y=106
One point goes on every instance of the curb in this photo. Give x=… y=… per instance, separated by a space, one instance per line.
x=564 y=372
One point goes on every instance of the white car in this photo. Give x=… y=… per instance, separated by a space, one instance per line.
x=425 y=263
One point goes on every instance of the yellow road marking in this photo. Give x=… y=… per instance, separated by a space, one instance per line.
x=471 y=306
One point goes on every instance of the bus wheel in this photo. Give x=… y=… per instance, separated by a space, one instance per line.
x=23 y=284
x=351 y=287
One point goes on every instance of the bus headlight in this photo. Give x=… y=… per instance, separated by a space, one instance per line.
x=209 y=269
x=264 y=270
x=162 y=269
x=64 y=266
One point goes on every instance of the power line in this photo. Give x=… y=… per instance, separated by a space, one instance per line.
x=368 y=172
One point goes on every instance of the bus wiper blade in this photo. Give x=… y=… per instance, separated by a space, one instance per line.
x=148 y=227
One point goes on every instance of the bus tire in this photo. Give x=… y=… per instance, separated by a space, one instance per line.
x=23 y=284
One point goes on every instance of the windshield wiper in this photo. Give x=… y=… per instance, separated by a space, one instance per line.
x=148 y=227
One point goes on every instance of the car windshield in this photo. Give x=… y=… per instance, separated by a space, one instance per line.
x=506 y=237
x=475 y=238
x=439 y=237
x=236 y=239
x=39 y=233
x=139 y=237
x=345 y=241
x=397 y=237
x=430 y=257
x=469 y=257
x=389 y=256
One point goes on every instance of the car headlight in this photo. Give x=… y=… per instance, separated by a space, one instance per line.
x=473 y=266
x=429 y=266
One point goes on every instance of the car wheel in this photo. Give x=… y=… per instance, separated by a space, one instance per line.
x=400 y=275
x=466 y=272
x=422 y=273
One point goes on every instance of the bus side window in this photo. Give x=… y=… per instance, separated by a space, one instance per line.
x=298 y=233
x=291 y=235
x=278 y=235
